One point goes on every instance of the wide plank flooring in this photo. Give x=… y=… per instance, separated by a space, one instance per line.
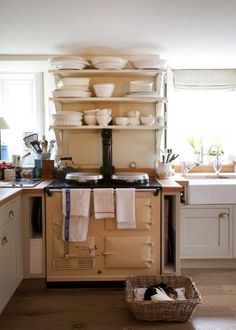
x=33 y=307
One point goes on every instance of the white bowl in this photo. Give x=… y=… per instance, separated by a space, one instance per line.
x=91 y=112
x=122 y=121
x=109 y=59
x=104 y=90
x=65 y=82
x=90 y=120
x=147 y=120
x=67 y=118
x=150 y=64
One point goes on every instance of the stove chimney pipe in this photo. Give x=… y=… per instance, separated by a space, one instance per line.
x=107 y=169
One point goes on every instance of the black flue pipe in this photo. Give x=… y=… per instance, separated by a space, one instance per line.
x=107 y=168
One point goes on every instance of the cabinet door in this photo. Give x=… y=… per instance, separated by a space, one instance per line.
x=205 y=232
x=10 y=250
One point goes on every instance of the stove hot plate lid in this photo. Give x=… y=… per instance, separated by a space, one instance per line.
x=131 y=176
x=83 y=176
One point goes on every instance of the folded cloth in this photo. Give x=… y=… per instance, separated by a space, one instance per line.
x=161 y=295
x=75 y=206
x=125 y=208
x=104 y=203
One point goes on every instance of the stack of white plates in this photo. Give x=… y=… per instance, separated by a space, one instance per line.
x=142 y=94
x=80 y=83
x=140 y=86
x=68 y=62
x=108 y=62
x=67 y=118
x=71 y=92
x=72 y=87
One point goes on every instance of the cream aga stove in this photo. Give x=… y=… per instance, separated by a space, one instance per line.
x=108 y=254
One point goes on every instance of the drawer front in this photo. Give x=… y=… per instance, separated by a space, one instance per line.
x=9 y=211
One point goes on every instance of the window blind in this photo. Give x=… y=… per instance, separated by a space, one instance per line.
x=208 y=79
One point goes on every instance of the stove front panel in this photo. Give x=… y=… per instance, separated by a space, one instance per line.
x=108 y=253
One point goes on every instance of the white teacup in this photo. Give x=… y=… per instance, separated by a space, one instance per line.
x=133 y=114
x=103 y=120
x=134 y=121
x=104 y=112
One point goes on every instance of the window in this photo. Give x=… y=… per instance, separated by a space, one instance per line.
x=21 y=106
x=204 y=114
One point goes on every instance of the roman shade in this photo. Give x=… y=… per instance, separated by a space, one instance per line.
x=208 y=79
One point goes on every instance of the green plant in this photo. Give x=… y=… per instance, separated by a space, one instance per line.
x=216 y=149
x=196 y=145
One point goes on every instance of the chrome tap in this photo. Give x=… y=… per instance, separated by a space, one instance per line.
x=187 y=166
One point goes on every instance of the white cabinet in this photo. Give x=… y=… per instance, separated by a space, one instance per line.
x=206 y=231
x=11 y=270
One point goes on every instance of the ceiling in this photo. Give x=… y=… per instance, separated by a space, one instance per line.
x=188 y=33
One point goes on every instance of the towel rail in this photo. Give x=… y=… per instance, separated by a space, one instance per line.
x=155 y=191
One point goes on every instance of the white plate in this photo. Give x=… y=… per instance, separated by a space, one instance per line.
x=71 y=92
x=142 y=94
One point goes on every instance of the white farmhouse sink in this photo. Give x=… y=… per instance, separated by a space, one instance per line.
x=212 y=191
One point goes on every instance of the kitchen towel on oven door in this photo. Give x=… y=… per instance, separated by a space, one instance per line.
x=125 y=208
x=104 y=203
x=75 y=209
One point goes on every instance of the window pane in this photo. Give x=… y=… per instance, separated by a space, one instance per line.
x=20 y=108
x=202 y=114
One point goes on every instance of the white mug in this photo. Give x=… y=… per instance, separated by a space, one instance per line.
x=103 y=120
x=135 y=114
x=104 y=112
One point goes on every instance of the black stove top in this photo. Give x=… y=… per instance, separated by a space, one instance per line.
x=152 y=183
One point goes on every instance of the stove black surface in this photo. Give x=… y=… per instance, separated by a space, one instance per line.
x=63 y=184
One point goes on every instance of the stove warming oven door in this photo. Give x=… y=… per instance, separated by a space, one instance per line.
x=108 y=253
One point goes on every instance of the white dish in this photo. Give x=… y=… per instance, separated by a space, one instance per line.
x=147 y=120
x=104 y=90
x=91 y=112
x=140 y=86
x=71 y=92
x=142 y=94
x=107 y=59
x=121 y=121
x=90 y=120
x=73 y=82
x=149 y=63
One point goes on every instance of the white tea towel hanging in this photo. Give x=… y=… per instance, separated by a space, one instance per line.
x=125 y=208
x=104 y=203
x=75 y=205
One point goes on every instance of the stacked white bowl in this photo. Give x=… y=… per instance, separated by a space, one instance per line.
x=68 y=62
x=108 y=62
x=67 y=118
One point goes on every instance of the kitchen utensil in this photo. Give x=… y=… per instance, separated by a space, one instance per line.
x=36 y=146
x=29 y=138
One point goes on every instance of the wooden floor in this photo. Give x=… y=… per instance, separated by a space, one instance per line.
x=33 y=307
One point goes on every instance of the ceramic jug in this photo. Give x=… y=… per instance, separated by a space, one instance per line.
x=163 y=170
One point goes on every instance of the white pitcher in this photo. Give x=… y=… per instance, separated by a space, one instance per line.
x=163 y=170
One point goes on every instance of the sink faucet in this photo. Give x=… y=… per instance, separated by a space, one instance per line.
x=187 y=166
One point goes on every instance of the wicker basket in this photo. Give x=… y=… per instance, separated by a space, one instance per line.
x=176 y=310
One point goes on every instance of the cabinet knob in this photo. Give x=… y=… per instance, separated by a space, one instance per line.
x=4 y=240
x=224 y=216
x=11 y=215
